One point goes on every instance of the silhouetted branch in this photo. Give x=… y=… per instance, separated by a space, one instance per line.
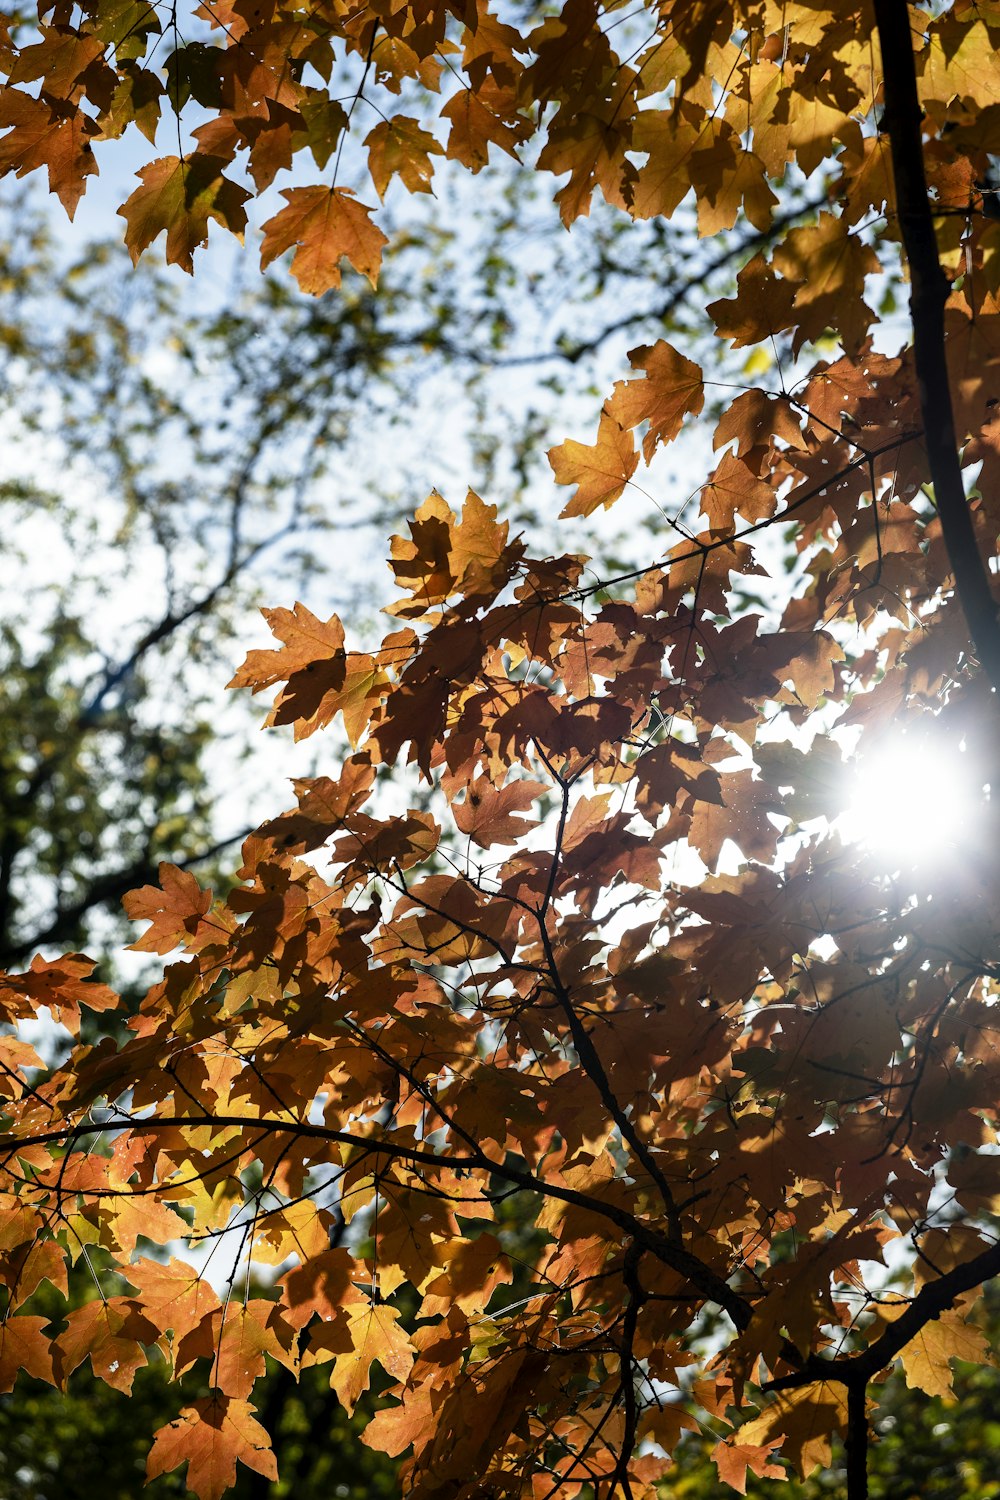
x=930 y=289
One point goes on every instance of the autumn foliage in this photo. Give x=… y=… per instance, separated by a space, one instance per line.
x=613 y=960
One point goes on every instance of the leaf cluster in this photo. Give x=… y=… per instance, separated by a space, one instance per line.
x=612 y=956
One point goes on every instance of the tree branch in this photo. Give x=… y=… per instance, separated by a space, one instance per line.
x=929 y=292
x=929 y=1303
x=712 y=1286
x=857 y=1441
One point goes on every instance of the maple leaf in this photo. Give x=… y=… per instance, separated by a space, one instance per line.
x=23 y=1346
x=729 y=179
x=600 y=471
x=763 y=306
x=478 y=552
x=926 y=1360
x=135 y=101
x=110 y=1333
x=669 y=136
x=372 y=1334
x=62 y=984
x=180 y=197
x=23 y=1268
x=321 y=678
x=46 y=133
x=400 y=147
x=124 y=1218
x=210 y=1436
x=672 y=388
x=175 y=909
x=326 y=225
x=703 y=1088
x=741 y=815
x=733 y=1459
x=801 y=1421
x=831 y=264
x=488 y=813
x=306 y=642
x=472 y=1272
x=480 y=118
x=173 y=1294
x=735 y=489
x=593 y=152
x=235 y=1340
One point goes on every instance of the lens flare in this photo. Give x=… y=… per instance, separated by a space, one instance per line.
x=912 y=801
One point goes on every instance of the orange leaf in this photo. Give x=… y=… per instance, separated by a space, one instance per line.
x=126 y=1215
x=235 y=1340
x=801 y=1421
x=322 y=679
x=307 y=641
x=831 y=264
x=174 y=1295
x=733 y=1459
x=111 y=1335
x=175 y=909
x=209 y=1436
x=326 y=225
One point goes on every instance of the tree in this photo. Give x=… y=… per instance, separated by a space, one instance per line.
x=749 y=1099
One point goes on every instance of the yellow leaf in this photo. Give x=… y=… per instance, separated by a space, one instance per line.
x=374 y=1336
x=926 y=1359
x=601 y=471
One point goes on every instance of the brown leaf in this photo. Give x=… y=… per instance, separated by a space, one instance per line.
x=180 y=197
x=23 y=1346
x=672 y=389
x=401 y=148
x=51 y=134
x=487 y=813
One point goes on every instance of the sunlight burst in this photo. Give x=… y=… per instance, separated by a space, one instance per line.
x=913 y=800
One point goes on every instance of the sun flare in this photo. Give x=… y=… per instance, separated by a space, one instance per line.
x=912 y=801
